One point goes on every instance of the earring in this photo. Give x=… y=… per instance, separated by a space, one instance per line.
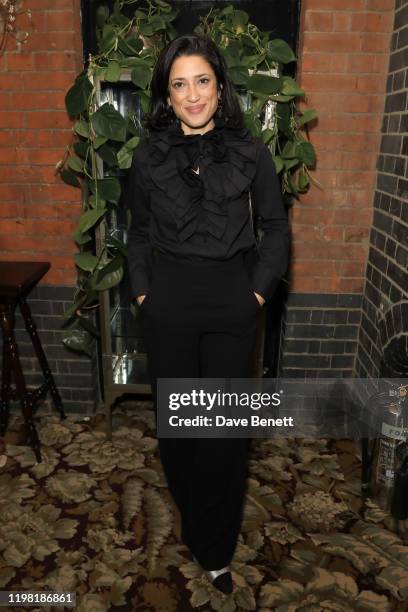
x=219 y=107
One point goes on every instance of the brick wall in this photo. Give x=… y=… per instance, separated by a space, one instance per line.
x=384 y=329
x=343 y=53
x=38 y=212
x=343 y=62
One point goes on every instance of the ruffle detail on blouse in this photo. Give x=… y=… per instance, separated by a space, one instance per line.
x=227 y=160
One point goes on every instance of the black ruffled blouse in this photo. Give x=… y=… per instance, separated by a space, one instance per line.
x=205 y=215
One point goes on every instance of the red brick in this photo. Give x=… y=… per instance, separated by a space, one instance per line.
x=45 y=138
x=11 y=119
x=48 y=119
x=332 y=233
x=10 y=192
x=328 y=83
x=341 y=22
x=350 y=285
x=338 y=63
x=332 y=42
x=353 y=216
x=315 y=62
x=18 y=62
x=9 y=210
x=318 y=21
x=10 y=81
x=56 y=193
x=375 y=43
x=351 y=269
x=52 y=41
x=380 y=5
x=337 y=5
x=54 y=60
x=38 y=100
x=372 y=22
x=41 y=81
x=371 y=83
x=38 y=5
x=329 y=250
x=353 y=234
x=60 y=21
x=367 y=63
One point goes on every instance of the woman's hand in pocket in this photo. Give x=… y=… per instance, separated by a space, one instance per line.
x=260 y=299
x=140 y=299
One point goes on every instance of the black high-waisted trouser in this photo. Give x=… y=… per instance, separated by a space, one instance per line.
x=199 y=320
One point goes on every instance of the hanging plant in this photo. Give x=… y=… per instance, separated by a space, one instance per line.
x=133 y=44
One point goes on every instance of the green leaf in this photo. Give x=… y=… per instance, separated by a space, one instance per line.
x=164 y=5
x=239 y=75
x=290 y=150
x=291 y=88
x=112 y=242
x=81 y=238
x=99 y=141
x=264 y=84
x=85 y=261
x=141 y=76
x=82 y=128
x=258 y=102
x=130 y=46
x=102 y=14
x=307 y=116
x=252 y=61
x=306 y=153
x=71 y=310
x=125 y=154
x=69 y=178
x=239 y=20
x=81 y=148
x=290 y=163
x=253 y=123
x=108 y=40
x=95 y=201
x=89 y=326
x=278 y=163
x=108 y=154
x=284 y=116
x=267 y=135
x=77 y=340
x=108 y=189
x=280 y=51
x=113 y=72
x=108 y=122
x=76 y=99
x=75 y=164
x=303 y=181
x=110 y=275
x=144 y=101
x=89 y=218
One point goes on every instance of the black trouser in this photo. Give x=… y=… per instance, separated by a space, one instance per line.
x=200 y=321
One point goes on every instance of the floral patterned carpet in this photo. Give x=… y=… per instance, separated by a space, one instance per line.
x=96 y=518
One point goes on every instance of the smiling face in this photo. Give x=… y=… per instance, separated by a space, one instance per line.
x=193 y=93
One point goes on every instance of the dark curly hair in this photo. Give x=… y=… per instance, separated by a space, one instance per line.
x=160 y=116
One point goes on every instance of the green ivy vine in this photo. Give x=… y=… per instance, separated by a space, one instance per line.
x=132 y=45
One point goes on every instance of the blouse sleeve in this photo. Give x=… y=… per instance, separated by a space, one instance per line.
x=138 y=243
x=268 y=207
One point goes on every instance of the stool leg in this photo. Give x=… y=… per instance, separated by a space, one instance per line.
x=49 y=379
x=7 y=324
x=5 y=387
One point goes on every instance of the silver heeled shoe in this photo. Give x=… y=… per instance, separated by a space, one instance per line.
x=221 y=579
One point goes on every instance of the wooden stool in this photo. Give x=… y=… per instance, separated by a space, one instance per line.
x=17 y=279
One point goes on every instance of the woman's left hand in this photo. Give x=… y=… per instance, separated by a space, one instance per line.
x=260 y=299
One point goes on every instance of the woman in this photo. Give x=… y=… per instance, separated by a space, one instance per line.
x=188 y=193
